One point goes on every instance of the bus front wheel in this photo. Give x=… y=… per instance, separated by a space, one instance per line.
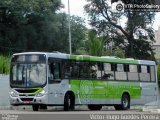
x=68 y=102
x=35 y=107
x=125 y=103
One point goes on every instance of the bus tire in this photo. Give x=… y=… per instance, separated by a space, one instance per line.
x=94 y=107
x=68 y=102
x=35 y=107
x=125 y=103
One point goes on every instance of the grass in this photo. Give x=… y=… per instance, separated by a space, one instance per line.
x=4 y=64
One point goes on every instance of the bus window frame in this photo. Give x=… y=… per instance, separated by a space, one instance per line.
x=113 y=66
x=59 y=62
x=149 y=73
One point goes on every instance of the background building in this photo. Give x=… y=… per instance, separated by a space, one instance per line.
x=156 y=45
x=157 y=36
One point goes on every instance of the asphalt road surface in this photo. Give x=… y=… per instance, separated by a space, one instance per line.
x=78 y=114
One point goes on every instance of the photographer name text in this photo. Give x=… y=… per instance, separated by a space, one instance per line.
x=124 y=117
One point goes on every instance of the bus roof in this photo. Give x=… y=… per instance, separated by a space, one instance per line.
x=92 y=58
x=110 y=59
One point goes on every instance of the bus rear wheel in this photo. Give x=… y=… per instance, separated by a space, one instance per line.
x=35 y=107
x=68 y=103
x=125 y=103
x=94 y=107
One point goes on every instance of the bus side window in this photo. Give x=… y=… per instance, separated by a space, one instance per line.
x=75 y=72
x=133 y=73
x=71 y=69
x=84 y=70
x=108 y=71
x=68 y=68
x=99 y=71
x=113 y=67
x=54 y=71
x=94 y=71
x=144 y=75
x=120 y=74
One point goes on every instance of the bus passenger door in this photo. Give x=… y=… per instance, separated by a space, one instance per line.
x=54 y=83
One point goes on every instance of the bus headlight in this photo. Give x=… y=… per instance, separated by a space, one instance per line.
x=13 y=94
x=42 y=93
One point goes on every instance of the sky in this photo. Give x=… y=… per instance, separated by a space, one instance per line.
x=76 y=8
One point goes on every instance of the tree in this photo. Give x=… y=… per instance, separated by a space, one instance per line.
x=24 y=22
x=78 y=32
x=95 y=45
x=106 y=22
x=36 y=25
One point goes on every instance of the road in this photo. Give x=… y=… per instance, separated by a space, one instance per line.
x=78 y=114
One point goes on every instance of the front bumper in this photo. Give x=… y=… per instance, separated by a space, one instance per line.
x=28 y=100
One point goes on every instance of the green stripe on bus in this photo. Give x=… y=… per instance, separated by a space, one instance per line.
x=100 y=89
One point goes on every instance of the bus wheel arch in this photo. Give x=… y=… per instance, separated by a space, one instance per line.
x=69 y=101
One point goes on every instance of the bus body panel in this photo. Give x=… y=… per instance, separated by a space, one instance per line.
x=149 y=92
x=104 y=92
x=56 y=92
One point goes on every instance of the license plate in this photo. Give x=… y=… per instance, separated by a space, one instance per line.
x=26 y=102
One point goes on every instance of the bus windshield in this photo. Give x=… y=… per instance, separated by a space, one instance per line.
x=28 y=71
x=28 y=75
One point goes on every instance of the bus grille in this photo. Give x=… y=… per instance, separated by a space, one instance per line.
x=26 y=90
x=27 y=95
x=27 y=99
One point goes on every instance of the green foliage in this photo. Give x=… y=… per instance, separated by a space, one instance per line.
x=81 y=51
x=4 y=64
x=26 y=24
x=36 y=25
x=79 y=32
x=119 y=53
x=95 y=45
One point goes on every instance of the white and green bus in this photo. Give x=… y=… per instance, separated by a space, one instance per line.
x=54 y=79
